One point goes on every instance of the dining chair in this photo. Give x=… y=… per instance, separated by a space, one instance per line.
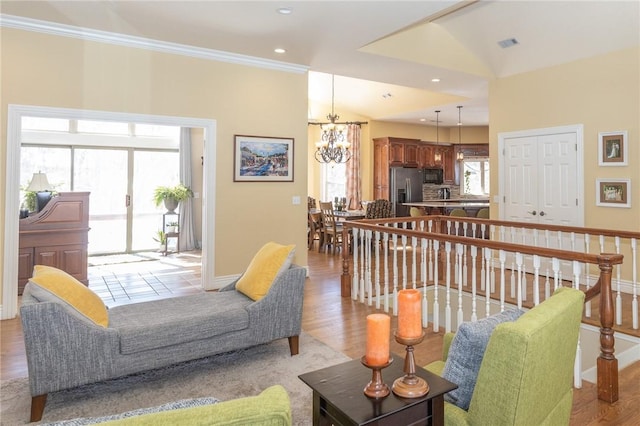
x=378 y=209
x=314 y=229
x=331 y=232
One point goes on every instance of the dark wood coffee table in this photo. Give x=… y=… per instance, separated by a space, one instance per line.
x=338 y=397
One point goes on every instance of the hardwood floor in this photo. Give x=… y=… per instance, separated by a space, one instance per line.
x=341 y=324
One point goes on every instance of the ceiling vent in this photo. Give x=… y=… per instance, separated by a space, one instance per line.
x=508 y=43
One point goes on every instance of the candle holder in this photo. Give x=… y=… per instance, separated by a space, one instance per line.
x=376 y=388
x=410 y=385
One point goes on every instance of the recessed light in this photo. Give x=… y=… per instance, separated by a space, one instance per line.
x=284 y=11
x=423 y=119
x=435 y=80
x=279 y=50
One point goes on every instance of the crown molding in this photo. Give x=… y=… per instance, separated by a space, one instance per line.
x=88 y=34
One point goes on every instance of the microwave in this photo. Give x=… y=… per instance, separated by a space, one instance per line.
x=432 y=175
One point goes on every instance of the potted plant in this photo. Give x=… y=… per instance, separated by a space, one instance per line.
x=161 y=237
x=172 y=227
x=171 y=196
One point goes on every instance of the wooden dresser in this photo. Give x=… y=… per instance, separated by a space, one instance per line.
x=57 y=236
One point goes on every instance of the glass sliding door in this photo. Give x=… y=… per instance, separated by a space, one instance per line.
x=150 y=170
x=105 y=173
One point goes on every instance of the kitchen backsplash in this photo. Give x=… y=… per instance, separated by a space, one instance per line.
x=430 y=191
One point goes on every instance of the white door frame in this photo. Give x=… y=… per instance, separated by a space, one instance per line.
x=9 y=308
x=578 y=129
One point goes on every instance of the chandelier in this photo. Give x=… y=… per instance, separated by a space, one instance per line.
x=333 y=146
x=438 y=155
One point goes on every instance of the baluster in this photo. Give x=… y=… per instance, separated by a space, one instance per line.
x=519 y=260
x=634 y=268
x=385 y=248
x=474 y=230
x=459 y=250
x=363 y=266
x=503 y=257
x=356 y=275
x=483 y=284
x=536 y=277
x=430 y=253
x=618 y=295
x=465 y=226
x=464 y=265
x=487 y=255
x=405 y=273
x=425 y=302
x=577 y=366
x=436 y=305
x=556 y=273
x=395 y=274
x=587 y=277
x=474 y=258
x=369 y=260
x=414 y=257
x=492 y=271
x=376 y=245
x=547 y=284
x=513 y=267
x=447 y=308
x=457 y=276
x=560 y=247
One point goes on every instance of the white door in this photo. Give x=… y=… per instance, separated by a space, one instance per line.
x=541 y=179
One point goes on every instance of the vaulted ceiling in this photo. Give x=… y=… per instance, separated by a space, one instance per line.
x=384 y=54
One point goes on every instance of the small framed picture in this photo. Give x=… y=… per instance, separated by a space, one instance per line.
x=613 y=192
x=262 y=159
x=612 y=148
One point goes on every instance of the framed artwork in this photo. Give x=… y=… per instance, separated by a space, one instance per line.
x=613 y=192
x=612 y=148
x=262 y=159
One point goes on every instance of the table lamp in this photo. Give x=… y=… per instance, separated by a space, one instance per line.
x=40 y=185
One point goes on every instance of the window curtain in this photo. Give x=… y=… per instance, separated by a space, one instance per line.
x=186 y=227
x=354 y=179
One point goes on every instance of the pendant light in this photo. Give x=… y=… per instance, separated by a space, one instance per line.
x=460 y=154
x=438 y=155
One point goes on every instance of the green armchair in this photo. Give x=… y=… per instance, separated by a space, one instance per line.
x=526 y=374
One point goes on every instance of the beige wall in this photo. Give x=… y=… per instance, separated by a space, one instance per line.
x=603 y=94
x=44 y=70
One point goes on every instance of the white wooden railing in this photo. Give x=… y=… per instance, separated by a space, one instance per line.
x=468 y=268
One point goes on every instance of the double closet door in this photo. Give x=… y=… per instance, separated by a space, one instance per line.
x=541 y=179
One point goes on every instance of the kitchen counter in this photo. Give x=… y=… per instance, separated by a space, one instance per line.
x=440 y=206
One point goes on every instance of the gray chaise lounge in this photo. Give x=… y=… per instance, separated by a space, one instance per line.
x=65 y=349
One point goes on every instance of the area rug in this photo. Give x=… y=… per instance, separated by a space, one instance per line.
x=227 y=376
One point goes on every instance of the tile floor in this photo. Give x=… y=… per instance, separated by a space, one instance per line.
x=129 y=278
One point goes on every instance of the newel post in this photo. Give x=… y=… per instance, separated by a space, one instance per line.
x=345 y=278
x=607 y=364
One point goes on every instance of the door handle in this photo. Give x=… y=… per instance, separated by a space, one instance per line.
x=541 y=213
x=534 y=213
x=127 y=200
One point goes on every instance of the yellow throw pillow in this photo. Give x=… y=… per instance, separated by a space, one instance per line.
x=61 y=287
x=271 y=260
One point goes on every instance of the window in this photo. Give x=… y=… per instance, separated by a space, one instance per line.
x=475 y=176
x=334 y=181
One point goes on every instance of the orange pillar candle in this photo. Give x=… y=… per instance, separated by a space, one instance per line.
x=409 y=323
x=378 y=336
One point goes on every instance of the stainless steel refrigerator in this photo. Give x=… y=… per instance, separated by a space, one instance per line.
x=405 y=187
